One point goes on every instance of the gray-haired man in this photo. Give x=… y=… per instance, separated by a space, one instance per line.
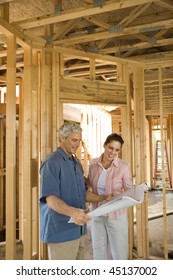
x=64 y=195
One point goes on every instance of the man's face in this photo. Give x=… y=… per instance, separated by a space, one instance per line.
x=71 y=143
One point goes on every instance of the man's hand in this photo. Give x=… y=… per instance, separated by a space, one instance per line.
x=80 y=217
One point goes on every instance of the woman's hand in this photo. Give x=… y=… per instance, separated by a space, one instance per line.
x=92 y=197
x=107 y=197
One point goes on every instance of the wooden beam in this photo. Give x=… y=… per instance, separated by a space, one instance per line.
x=156 y=112
x=165 y=233
x=3 y=109
x=170 y=117
x=2 y=173
x=11 y=150
x=22 y=39
x=134 y=14
x=54 y=101
x=126 y=30
x=60 y=71
x=138 y=46
x=80 y=12
x=27 y=193
x=140 y=154
x=66 y=28
x=98 y=72
x=4 y=11
x=86 y=65
x=7 y=29
x=93 y=92
x=21 y=159
x=167 y=4
x=99 y=57
x=152 y=61
x=96 y=21
x=35 y=155
x=5 y=1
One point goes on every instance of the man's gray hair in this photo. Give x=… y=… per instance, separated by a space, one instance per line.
x=69 y=127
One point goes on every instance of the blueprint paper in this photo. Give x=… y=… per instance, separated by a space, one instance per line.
x=126 y=199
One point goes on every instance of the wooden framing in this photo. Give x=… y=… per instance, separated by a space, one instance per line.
x=11 y=150
x=126 y=115
x=2 y=174
x=140 y=158
x=44 y=88
x=27 y=191
x=30 y=123
x=93 y=92
x=163 y=164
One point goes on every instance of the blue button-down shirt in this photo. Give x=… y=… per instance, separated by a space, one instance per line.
x=61 y=176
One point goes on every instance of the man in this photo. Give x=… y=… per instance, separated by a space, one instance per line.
x=64 y=195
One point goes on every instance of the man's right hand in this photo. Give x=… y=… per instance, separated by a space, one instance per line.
x=80 y=217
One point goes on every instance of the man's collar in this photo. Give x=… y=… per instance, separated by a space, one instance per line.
x=65 y=155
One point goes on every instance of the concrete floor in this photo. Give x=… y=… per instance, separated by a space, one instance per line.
x=155 y=224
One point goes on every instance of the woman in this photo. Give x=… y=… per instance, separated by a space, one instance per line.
x=110 y=174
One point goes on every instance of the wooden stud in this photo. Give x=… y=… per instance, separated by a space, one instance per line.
x=59 y=71
x=11 y=150
x=2 y=173
x=126 y=113
x=140 y=157
x=27 y=190
x=150 y=154
x=35 y=236
x=171 y=145
x=21 y=158
x=35 y=155
x=43 y=131
x=163 y=163
x=4 y=11
x=54 y=102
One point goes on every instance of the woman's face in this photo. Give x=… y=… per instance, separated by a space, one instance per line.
x=111 y=150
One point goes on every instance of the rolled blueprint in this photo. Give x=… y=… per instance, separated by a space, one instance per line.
x=126 y=199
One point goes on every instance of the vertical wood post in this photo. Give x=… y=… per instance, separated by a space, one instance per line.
x=11 y=150
x=163 y=163
x=60 y=71
x=126 y=131
x=21 y=158
x=54 y=101
x=171 y=145
x=140 y=157
x=150 y=157
x=35 y=154
x=2 y=172
x=27 y=190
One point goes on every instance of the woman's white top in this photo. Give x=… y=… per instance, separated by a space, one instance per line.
x=101 y=185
